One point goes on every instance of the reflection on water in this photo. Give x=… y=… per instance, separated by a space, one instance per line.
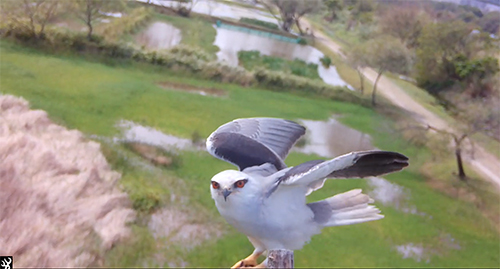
x=133 y=132
x=159 y=35
x=217 y=9
x=230 y=42
x=331 y=139
x=416 y=252
x=392 y=194
x=387 y=193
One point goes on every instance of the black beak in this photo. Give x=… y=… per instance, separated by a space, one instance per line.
x=226 y=193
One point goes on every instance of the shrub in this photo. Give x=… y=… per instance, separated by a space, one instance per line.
x=197 y=52
x=280 y=81
x=252 y=60
x=326 y=61
x=145 y=201
x=199 y=63
x=126 y=24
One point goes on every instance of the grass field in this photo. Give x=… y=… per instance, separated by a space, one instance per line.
x=92 y=97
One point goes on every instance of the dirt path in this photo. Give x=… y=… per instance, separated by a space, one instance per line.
x=484 y=163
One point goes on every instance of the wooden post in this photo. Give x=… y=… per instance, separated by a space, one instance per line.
x=280 y=258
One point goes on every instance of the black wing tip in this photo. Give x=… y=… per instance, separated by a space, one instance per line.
x=383 y=154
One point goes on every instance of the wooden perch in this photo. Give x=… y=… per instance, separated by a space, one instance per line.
x=280 y=258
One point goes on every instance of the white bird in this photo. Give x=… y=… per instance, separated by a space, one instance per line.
x=266 y=200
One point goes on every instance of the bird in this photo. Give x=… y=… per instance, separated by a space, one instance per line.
x=266 y=200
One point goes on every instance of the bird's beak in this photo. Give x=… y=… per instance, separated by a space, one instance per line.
x=226 y=193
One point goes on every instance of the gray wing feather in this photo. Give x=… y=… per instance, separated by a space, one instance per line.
x=277 y=134
x=255 y=141
x=355 y=164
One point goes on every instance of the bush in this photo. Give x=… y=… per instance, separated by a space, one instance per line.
x=197 y=52
x=283 y=82
x=265 y=24
x=326 y=61
x=145 y=201
x=126 y=24
x=199 y=63
x=252 y=60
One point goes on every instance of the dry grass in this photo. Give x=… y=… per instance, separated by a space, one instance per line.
x=59 y=203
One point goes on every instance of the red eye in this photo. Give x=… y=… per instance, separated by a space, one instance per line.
x=215 y=185
x=240 y=183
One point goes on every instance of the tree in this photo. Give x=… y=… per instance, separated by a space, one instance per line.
x=453 y=53
x=357 y=59
x=387 y=54
x=477 y=74
x=490 y=22
x=30 y=15
x=291 y=11
x=333 y=7
x=359 y=11
x=439 y=45
x=90 y=11
x=404 y=23
x=476 y=116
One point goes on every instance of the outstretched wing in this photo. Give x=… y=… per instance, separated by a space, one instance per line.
x=353 y=165
x=254 y=141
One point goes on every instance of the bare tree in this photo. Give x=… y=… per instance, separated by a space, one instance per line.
x=357 y=59
x=476 y=116
x=291 y=11
x=387 y=54
x=404 y=23
x=29 y=15
x=91 y=11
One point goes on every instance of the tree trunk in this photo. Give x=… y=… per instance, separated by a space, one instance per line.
x=461 y=171
x=89 y=34
x=286 y=25
x=298 y=26
x=375 y=86
x=89 y=19
x=361 y=80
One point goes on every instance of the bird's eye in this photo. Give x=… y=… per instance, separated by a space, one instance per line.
x=240 y=183
x=215 y=185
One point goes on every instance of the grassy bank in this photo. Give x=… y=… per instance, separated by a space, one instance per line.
x=253 y=60
x=195 y=31
x=93 y=97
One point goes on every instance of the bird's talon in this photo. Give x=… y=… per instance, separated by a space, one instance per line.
x=245 y=263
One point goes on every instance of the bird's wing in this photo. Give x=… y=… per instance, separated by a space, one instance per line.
x=353 y=165
x=254 y=141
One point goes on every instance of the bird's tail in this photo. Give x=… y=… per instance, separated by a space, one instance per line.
x=346 y=208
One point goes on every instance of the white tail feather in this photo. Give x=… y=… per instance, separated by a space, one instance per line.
x=350 y=208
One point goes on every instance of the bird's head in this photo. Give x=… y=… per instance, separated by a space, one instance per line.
x=228 y=183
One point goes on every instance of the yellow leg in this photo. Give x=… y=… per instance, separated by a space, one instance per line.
x=249 y=261
x=261 y=265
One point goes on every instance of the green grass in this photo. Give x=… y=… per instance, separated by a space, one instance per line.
x=92 y=97
x=195 y=31
x=252 y=60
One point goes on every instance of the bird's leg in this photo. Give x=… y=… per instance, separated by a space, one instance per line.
x=249 y=261
x=262 y=264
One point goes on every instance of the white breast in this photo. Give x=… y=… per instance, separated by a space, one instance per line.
x=281 y=221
